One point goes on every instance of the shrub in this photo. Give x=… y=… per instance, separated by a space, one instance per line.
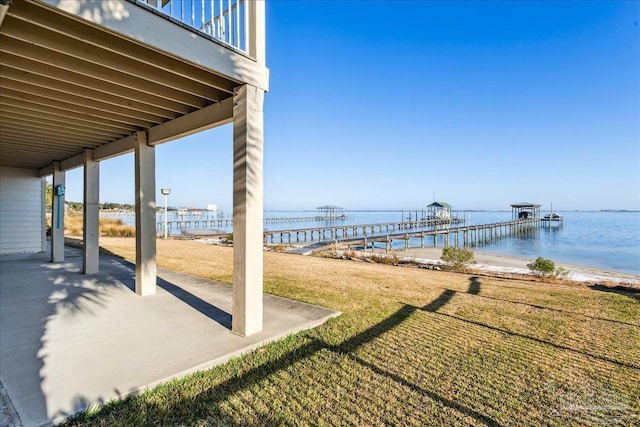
x=349 y=254
x=117 y=230
x=387 y=260
x=545 y=267
x=542 y=266
x=457 y=258
x=561 y=272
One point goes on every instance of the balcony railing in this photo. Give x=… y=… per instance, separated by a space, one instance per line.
x=224 y=20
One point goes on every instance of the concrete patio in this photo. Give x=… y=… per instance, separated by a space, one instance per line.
x=69 y=341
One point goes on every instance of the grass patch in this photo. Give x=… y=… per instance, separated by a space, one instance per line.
x=413 y=347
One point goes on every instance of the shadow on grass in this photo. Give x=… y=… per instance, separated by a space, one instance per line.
x=447 y=402
x=441 y=301
x=201 y=406
x=634 y=294
x=448 y=294
x=474 y=285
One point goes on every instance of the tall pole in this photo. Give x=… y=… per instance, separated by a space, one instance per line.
x=166 y=232
x=165 y=192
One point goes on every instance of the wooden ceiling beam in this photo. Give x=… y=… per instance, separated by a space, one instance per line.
x=90 y=84
x=63 y=43
x=134 y=108
x=61 y=61
x=36 y=112
x=126 y=115
x=29 y=11
x=89 y=114
x=54 y=125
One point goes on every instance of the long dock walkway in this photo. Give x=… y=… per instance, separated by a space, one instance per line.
x=345 y=231
x=203 y=222
x=432 y=232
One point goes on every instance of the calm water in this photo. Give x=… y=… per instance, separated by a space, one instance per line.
x=608 y=240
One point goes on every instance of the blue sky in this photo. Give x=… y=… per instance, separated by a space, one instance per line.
x=377 y=105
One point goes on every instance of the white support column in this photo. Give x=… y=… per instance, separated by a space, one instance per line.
x=145 y=160
x=57 y=215
x=247 y=210
x=90 y=223
x=44 y=215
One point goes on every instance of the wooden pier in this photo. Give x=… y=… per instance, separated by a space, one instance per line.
x=433 y=233
x=343 y=232
x=204 y=222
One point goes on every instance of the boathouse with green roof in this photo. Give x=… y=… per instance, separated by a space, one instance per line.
x=439 y=210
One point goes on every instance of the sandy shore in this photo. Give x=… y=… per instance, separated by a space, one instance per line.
x=490 y=262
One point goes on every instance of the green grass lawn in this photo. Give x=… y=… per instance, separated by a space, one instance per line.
x=413 y=347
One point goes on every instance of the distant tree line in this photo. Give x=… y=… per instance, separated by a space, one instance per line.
x=78 y=206
x=109 y=206
x=106 y=206
x=74 y=206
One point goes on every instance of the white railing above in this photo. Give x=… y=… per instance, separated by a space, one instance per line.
x=224 y=20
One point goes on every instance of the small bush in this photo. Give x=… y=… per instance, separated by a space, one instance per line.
x=545 y=267
x=118 y=231
x=457 y=258
x=350 y=254
x=542 y=266
x=387 y=260
x=561 y=272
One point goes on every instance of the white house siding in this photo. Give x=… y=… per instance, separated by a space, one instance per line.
x=21 y=211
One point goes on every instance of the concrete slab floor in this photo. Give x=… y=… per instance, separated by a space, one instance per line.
x=69 y=341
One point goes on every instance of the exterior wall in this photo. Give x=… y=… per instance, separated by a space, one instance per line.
x=21 y=211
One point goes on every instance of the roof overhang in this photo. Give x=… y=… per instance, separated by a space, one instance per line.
x=88 y=75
